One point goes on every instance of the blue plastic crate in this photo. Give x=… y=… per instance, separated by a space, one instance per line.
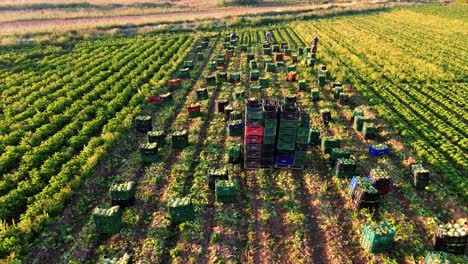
x=353 y=184
x=378 y=152
x=282 y=160
x=236 y=127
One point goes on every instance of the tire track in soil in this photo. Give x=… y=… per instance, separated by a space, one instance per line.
x=175 y=235
x=336 y=201
x=210 y=211
x=320 y=245
x=260 y=253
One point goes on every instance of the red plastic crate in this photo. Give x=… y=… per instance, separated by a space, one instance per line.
x=383 y=189
x=229 y=56
x=175 y=82
x=292 y=76
x=253 y=131
x=153 y=99
x=287 y=54
x=253 y=139
x=193 y=109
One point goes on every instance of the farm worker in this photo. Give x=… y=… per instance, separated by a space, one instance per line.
x=268 y=35
x=233 y=35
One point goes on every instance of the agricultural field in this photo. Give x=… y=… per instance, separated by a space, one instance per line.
x=68 y=133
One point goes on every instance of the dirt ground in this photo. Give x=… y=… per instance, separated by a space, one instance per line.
x=61 y=25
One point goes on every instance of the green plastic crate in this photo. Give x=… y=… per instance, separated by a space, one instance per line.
x=303 y=134
x=336 y=92
x=181 y=210
x=315 y=93
x=234 y=77
x=107 y=219
x=226 y=191
x=253 y=65
x=269 y=132
x=314 y=136
x=184 y=73
x=374 y=240
x=123 y=191
x=358 y=112
x=234 y=151
x=255 y=115
x=264 y=82
x=268 y=140
x=369 y=129
x=292 y=68
x=213 y=66
x=330 y=142
x=302 y=85
x=256 y=89
x=359 y=122
x=338 y=153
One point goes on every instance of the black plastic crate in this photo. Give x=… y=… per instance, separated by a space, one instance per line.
x=271 y=114
x=255 y=122
x=253 y=102
x=253 y=147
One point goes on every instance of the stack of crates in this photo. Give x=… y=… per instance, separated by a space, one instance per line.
x=179 y=139
x=270 y=109
x=344 y=168
x=143 y=123
x=107 y=219
x=215 y=175
x=378 y=237
x=287 y=132
x=181 y=210
x=123 y=194
x=419 y=175
x=253 y=136
x=149 y=152
x=226 y=191
x=302 y=139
